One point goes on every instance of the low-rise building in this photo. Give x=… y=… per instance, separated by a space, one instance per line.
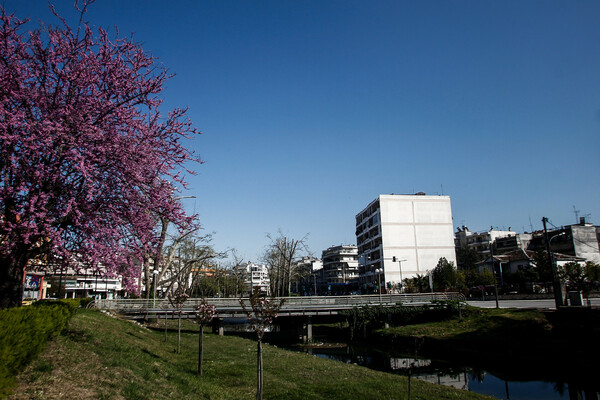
x=480 y=241
x=578 y=240
x=71 y=284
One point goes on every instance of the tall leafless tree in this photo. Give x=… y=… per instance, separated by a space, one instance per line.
x=281 y=256
x=184 y=258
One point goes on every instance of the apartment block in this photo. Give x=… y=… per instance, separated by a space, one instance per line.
x=400 y=236
x=480 y=241
x=340 y=264
x=256 y=275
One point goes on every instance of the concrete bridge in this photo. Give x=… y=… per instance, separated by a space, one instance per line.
x=302 y=308
x=292 y=306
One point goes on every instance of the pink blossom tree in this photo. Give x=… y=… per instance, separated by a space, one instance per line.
x=88 y=163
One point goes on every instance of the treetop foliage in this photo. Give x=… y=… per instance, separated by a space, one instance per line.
x=87 y=160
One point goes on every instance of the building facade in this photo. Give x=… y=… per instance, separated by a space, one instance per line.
x=309 y=272
x=400 y=236
x=480 y=242
x=257 y=275
x=72 y=284
x=579 y=240
x=340 y=268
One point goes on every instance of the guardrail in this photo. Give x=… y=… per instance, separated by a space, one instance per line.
x=306 y=305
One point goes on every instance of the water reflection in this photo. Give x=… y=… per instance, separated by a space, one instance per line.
x=460 y=376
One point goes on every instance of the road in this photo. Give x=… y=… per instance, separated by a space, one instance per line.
x=537 y=304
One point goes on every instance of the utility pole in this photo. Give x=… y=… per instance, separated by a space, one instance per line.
x=555 y=282
x=494 y=272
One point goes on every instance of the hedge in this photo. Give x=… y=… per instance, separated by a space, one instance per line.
x=24 y=332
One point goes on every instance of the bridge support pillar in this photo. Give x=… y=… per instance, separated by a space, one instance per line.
x=307 y=335
x=217 y=326
x=387 y=323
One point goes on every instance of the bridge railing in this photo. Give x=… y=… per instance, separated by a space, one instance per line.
x=290 y=303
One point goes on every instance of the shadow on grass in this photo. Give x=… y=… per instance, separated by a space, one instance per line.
x=151 y=354
x=75 y=335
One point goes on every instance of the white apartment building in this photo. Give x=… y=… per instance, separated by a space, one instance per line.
x=309 y=273
x=257 y=275
x=480 y=241
x=340 y=264
x=400 y=236
x=75 y=284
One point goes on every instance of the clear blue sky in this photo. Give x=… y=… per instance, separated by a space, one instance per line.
x=310 y=109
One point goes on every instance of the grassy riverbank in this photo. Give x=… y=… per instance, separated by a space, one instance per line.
x=100 y=357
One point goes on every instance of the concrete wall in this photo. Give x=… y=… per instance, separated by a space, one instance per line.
x=585 y=242
x=417 y=229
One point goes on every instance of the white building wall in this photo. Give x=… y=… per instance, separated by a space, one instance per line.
x=417 y=229
x=585 y=242
x=257 y=275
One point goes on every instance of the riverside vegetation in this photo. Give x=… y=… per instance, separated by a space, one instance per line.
x=101 y=357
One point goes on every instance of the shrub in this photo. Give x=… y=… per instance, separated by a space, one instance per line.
x=84 y=302
x=24 y=331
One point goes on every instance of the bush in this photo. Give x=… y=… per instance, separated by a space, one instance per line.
x=83 y=303
x=24 y=332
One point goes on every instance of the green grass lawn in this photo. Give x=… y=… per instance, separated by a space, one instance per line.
x=101 y=357
x=483 y=322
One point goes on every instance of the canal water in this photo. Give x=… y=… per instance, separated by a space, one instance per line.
x=459 y=376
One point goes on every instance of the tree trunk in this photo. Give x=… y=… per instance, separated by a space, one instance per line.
x=147 y=277
x=179 y=333
x=165 y=326
x=200 y=349
x=11 y=282
x=259 y=372
x=289 y=280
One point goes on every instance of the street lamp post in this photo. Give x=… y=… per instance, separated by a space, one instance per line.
x=493 y=273
x=394 y=259
x=557 y=284
x=558 y=301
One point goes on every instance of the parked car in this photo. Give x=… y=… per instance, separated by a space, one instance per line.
x=27 y=301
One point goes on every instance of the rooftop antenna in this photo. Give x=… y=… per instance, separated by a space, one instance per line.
x=530 y=225
x=576 y=211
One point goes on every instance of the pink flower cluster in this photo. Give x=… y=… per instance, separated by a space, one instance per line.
x=88 y=162
x=262 y=311
x=177 y=299
x=205 y=312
